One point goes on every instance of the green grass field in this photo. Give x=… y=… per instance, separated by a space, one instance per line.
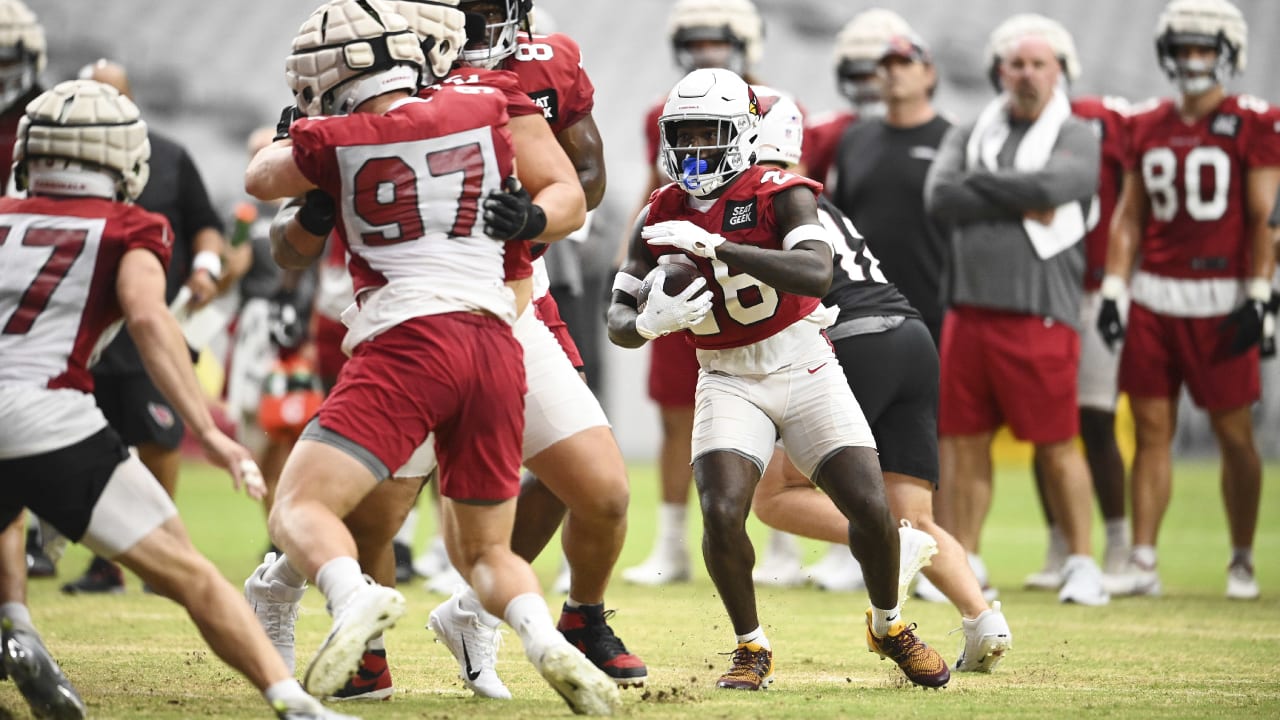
x=1189 y=654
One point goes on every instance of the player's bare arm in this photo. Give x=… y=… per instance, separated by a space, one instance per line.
x=273 y=174
x=622 y=311
x=805 y=268
x=292 y=246
x=1262 y=186
x=548 y=175
x=581 y=142
x=1126 y=226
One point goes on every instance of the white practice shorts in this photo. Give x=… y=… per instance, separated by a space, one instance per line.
x=131 y=506
x=1099 y=366
x=557 y=404
x=808 y=405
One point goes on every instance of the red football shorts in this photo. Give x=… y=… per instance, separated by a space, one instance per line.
x=328 y=334
x=673 y=371
x=546 y=310
x=1008 y=368
x=460 y=375
x=1161 y=352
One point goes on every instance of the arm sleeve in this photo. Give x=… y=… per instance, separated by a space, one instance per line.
x=1070 y=174
x=948 y=196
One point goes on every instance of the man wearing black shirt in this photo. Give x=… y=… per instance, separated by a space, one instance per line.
x=880 y=169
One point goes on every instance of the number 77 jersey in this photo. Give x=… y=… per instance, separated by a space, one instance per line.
x=1195 y=177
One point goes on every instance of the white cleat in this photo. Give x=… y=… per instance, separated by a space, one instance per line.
x=1241 y=583
x=1082 y=582
x=1047 y=579
x=780 y=566
x=587 y=689
x=660 y=568
x=473 y=644
x=445 y=582
x=837 y=571
x=1134 y=581
x=916 y=550
x=1116 y=559
x=306 y=707
x=986 y=640
x=367 y=613
x=276 y=605
x=434 y=561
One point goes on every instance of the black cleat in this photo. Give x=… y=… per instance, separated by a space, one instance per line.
x=103 y=576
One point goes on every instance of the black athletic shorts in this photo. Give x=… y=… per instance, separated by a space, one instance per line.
x=894 y=376
x=136 y=409
x=61 y=486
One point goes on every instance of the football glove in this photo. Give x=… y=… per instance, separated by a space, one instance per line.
x=1269 y=325
x=1243 y=326
x=1109 y=325
x=286 y=322
x=683 y=235
x=287 y=116
x=664 y=314
x=512 y=214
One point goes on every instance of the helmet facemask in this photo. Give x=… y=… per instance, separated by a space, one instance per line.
x=502 y=23
x=22 y=51
x=857 y=81
x=1192 y=75
x=709 y=47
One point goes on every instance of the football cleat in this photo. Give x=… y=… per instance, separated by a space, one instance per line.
x=585 y=687
x=986 y=640
x=276 y=606
x=1082 y=582
x=39 y=564
x=587 y=628
x=920 y=663
x=366 y=614
x=473 y=644
x=404 y=562
x=837 y=571
x=1241 y=583
x=780 y=566
x=752 y=669
x=661 y=568
x=39 y=679
x=916 y=549
x=445 y=582
x=103 y=576
x=372 y=680
x=305 y=707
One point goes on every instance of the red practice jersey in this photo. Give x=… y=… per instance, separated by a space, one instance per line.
x=821 y=139
x=1195 y=180
x=1109 y=118
x=745 y=310
x=59 y=259
x=551 y=74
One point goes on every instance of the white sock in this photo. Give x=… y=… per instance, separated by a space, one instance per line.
x=284 y=690
x=755 y=636
x=404 y=535
x=672 y=524
x=470 y=602
x=1144 y=556
x=1117 y=532
x=377 y=642
x=529 y=616
x=1058 y=543
x=339 y=579
x=1242 y=556
x=882 y=620
x=282 y=572
x=19 y=614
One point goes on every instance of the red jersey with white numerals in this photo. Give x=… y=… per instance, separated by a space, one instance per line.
x=745 y=310
x=551 y=74
x=1195 y=176
x=408 y=185
x=821 y=139
x=58 y=264
x=1109 y=118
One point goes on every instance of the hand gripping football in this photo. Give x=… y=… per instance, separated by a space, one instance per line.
x=678 y=277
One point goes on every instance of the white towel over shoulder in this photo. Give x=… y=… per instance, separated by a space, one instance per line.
x=989 y=135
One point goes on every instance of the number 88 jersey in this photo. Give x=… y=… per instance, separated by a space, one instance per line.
x=1195 y=178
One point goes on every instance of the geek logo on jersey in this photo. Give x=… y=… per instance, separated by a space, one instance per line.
x=1226 y=125
x=548 y=101
x=739 y=215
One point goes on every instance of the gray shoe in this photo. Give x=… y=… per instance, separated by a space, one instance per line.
x=38 y=677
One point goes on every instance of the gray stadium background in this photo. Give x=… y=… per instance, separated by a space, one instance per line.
x=209 y=72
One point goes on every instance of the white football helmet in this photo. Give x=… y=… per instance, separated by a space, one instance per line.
x=1023 y=25
x=781 y=130
x=502 y=20
x=93 y=126
x=441 y=29
x=709 y=95
x=858 y=49
x=22 y=51
x=349 y=51
x=736 y=22
x=1206 y=23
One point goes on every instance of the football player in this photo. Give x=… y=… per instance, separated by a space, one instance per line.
x=79 y=259
x=767 y=369
x=1201 y=177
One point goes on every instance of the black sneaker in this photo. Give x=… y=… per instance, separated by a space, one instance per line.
x=103 y=576
x=586 y=627
x=39 y=564
x=37 y=676
x=404 y=562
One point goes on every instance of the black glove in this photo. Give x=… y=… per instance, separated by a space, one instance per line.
x=287 y=116
x=511 y=214
x=286 y=322
x=317 y=213
x=1110 y=326
x=1268 y=342
x=1243 y=327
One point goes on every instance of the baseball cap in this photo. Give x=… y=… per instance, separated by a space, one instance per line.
x=908 y=47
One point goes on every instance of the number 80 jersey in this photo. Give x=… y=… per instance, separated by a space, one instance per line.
x=1195 y=178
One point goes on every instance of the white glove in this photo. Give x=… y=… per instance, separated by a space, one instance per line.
x=684 y=235
x=664 y=314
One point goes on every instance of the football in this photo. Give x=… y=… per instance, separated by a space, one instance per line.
x=678 y=277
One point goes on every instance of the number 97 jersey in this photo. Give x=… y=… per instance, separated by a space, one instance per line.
x=1195 y=178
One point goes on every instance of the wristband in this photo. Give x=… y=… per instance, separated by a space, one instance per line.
x=1259 y=289
x=211 y=262
x=316 y=215
x=1113 y=286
